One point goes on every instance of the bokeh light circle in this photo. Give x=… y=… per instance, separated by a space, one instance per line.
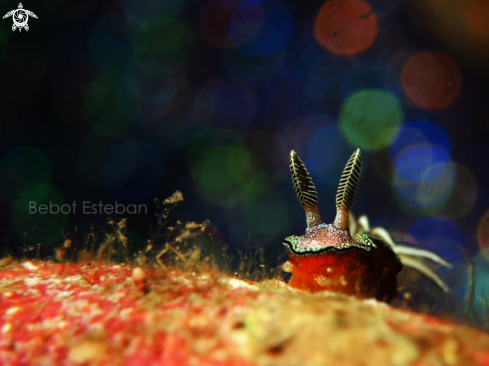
x=227 y=175
x=480 y=282
x=423 y=162
x=216 y=19
x=417 y=133
x=99 y=108
x=36 y=192
x=232 y=163
x=476 y=13
x=463 y=196
x=145 y=92
x=328 y=151
x=207 y=139
x=439 y=235
x=431 y=80
x=146 y=13
x=272 y=154
x=247 y=21
x=346 y=27
x=261 y=27
x=428 y=194
x=483 y=234
x=370 y=119
x=154 y=53
x=382 y=166
x=299 y=132
x=424 y=175
x=265 y=217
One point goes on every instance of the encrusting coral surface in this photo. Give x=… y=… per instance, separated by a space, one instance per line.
x=103 y=314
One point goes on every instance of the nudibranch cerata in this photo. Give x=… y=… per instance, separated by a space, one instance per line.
x=327 y=257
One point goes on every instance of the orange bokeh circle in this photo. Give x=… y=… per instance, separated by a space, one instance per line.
x=346 y=27
x=431 y=80
x=477 y=13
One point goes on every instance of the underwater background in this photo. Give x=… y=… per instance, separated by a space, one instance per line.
x=127 y=101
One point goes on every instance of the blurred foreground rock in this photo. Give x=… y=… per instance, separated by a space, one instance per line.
x=100 y=314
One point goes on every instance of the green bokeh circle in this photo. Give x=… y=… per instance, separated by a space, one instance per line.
x=99 y=109
x=370 y=119
x=227 y=175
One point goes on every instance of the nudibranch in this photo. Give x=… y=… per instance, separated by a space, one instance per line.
x=327 y=257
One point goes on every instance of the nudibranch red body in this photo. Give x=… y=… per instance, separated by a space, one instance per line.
x=321 y=261
x=327 y=257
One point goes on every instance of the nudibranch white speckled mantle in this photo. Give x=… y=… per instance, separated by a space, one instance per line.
x=327 y=257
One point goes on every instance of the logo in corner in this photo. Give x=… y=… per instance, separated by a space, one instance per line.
x=20 y=17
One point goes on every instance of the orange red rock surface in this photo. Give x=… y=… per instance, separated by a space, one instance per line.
x=101 y=314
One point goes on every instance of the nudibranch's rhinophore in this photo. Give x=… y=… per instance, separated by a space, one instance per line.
x=327 y=257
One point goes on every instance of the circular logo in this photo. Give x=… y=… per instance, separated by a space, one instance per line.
x=20 y=18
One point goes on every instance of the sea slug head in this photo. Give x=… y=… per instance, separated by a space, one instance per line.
x=326 y=257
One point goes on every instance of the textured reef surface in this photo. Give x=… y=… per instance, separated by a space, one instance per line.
x=103 y=314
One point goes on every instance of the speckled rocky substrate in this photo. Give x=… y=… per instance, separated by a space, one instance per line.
x=101 y=314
